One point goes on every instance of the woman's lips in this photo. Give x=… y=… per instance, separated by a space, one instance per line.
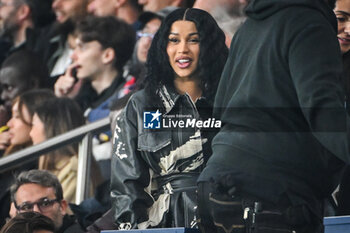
x=344 y=41
x=183 y=63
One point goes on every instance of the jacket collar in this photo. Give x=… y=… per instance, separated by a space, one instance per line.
x=168 y=98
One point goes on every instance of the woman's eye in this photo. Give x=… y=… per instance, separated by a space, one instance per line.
x=194 y=40
x=341 y=19
x=173 y=40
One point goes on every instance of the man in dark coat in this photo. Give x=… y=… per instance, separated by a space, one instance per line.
x=285 y=138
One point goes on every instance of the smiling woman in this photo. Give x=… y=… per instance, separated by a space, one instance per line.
x=155 y=166
x=183 y=49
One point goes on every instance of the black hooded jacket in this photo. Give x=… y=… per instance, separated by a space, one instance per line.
x=282 y=102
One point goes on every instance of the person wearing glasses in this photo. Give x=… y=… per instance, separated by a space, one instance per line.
x=40 y=191
x=135 y=68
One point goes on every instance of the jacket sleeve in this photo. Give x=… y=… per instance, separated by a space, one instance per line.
x=130 y=174
x=316 y=69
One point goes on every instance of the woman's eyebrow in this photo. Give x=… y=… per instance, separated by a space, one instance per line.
x=192 y=33
x=343 y=12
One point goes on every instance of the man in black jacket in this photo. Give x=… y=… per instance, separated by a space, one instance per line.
x=40 y=191
x=285 y=138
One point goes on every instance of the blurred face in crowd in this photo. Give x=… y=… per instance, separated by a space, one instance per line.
x=155 y=5
x=183 y=49
x=146 y=36
x=102 y=7
x=342 y=12
x=8 y=17
x=90 y=59
x=11 y=85
x=37 y=132
x=230 y=5
x=69 y=9
x=34 y=197
x=19 y=125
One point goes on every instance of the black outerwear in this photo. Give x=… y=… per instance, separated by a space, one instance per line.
x=89 y=98
x=70 y=225
x=154 y=171
x=282 y=102
x=106 y=222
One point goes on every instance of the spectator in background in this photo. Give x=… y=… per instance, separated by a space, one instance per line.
x=23 y=22
x=151 y=22
x=232 y=7
x=104 y=45
x=60 y=39
x=20 y=72
x=127 y=10
x=40 y=191
x=135 y=69
x=52 y=118
x=154 y=172
x=29 y=222
x=21 y=122
x=18 y=138
x=228 y=14
x=157 y=5
x=73 y=10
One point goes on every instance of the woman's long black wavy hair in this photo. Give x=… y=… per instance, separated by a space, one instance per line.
x=212 y=56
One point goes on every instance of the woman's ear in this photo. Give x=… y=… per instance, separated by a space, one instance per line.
x=108 y=55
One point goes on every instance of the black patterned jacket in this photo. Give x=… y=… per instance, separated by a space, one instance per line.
x=146 y=161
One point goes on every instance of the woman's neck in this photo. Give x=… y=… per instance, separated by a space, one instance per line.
x=190 y=86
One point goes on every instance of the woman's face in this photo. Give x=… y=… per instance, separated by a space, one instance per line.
x=38 y=130
x=342 y=12
x=183 y=48
x=19 y=130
